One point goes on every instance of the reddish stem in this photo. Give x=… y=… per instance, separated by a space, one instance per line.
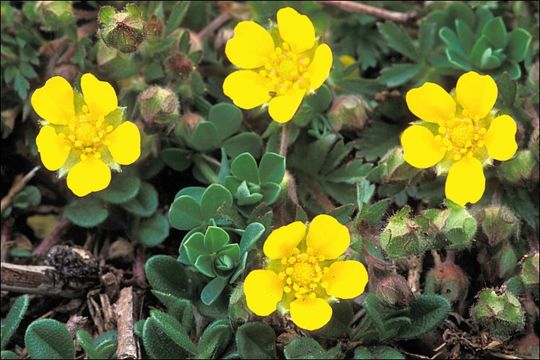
x=52 y=238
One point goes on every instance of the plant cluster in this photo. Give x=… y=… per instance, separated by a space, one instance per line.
x=284 y=179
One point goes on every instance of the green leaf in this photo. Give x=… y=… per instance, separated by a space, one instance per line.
x=426 y=37
x=185 y=213
x=145 y=203
x=157 y=344
x=29 y=197
x=478 y=50
x=227 y=118
x=270 y=192
x=495 y=32
x=215 y=238
x=215 y=197
x=507 y=89
x=465 y=35
x=13 y=319
x=5 y=354
x=426 y=313
x=272 y=168
x=321 y=100
x=398 y=39
x=178 y=13
x=173 y=329
x=244 y=142
x=377 y=352
x=205 y=137
x=121 y=189
x=205 y=265
x=256 y=340
x=152 y=231
x=450 y=38
x=87 y=343
x=86 y=212
x=304 y=348
x=177 y=159
x=194 y=247
x=364 y=192
x=518 y=44
x=214 y=340
x=213 y=289
x=251 y=235
x=179 y=308
x=106 y=344
x=376 y=140
x=399 y=74
x=48 y=339
x=166 y=274
x=244 y=167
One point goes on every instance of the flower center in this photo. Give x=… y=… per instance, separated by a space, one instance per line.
x=86 y=134
x=286 y=69
x=461 y=136
x=303 y=272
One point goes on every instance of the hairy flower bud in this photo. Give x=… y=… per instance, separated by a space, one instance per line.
x=55 y=14
x=449 y=280
x=348 y=112
x=393 y=290
x=179 y=64
x=123 y=30
x=158 y=105
x=499 y=224
x=500 y=313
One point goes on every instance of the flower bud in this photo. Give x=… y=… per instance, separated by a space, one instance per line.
x=501 y=314
x=394 y=291
x=154 y=26
x=158 y=105
x=179 y=65
x=499 y=224
x=449 y=280
x=457 y=226
x=403 y=236
x=348 y=112
x=124 y=30
x=520 y=168
x=55 y=15
x=530 y=273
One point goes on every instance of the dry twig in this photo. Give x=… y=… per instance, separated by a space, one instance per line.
x=18 y=184
x=127 y=347
x=357 y=7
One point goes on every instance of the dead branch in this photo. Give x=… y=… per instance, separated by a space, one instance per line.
x=127 y=347
x=357 y=7
x=18 y=184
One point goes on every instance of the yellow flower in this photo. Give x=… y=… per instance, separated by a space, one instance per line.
x=280 y=66
x=303 y=272
x=78 y=138
x=460 y=132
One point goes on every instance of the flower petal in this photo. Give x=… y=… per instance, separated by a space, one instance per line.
x=466 y=181
x=327 y=236
x=88 y=175
x=263 y=290
x=500 y=138
x=320 y=66
x=420 y=148
x=282 y=108
x=430 y=102
x=52 y=148
x=476 y=93
x=99 y=96
x=282 y=241
x=250 y=46
x=247 y=89
x=296 y=29
x=124 y=143
x=54 y=101
x=310 y=314
x=346 y=279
